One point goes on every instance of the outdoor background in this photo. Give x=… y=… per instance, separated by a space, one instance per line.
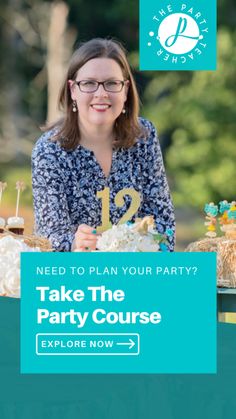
x=194 y=112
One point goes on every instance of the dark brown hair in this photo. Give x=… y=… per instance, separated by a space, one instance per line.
x=127 y=127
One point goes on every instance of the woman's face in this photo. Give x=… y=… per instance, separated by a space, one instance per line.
x=100 y=107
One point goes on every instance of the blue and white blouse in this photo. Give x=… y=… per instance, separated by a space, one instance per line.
x=65 y=184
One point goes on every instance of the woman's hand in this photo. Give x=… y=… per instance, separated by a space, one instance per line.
x=85 y=239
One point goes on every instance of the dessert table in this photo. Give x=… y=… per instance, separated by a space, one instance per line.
x=226 y=300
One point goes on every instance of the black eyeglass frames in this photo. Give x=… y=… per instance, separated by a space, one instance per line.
x=91 y=86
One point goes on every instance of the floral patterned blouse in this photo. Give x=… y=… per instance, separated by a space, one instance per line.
x=65 y=184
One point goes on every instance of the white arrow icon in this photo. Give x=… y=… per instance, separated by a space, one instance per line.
x=131 y=343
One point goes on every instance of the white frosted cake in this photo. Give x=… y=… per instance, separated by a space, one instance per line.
x=138 y=237
x=10 y=249
x=16 y=225
x=2 y=224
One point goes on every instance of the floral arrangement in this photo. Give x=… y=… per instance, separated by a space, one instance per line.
x=226 y=212
x=140 y=236
x=10 y=249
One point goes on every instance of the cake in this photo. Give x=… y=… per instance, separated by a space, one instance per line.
x=10 y=249
x=140 y=236
x=16 y=225
x=2 y=224
x=2 y=220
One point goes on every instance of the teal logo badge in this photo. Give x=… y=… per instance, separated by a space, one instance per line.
x=178 y=36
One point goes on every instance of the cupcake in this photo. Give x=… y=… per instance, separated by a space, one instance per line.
x=2 y=225
x=16 y=225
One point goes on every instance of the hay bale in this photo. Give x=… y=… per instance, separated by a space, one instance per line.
x=226 y=257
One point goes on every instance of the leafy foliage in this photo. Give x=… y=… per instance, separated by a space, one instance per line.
x=197 y=115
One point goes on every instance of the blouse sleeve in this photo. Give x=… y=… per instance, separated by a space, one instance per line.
x=52 y=218
x=156 y=194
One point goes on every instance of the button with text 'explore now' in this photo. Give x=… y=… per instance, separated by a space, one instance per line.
x=87 y=344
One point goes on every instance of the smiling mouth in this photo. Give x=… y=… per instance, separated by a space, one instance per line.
x=100 y=107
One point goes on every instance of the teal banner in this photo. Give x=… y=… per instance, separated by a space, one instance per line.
x=118 y=313
x=178 y=35
x=64 y=396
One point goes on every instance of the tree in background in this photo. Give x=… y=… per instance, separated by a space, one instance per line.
x=35 y=49
x=194 y=111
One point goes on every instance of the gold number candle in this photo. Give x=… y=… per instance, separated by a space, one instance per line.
x=104 y=195
x=134 y=205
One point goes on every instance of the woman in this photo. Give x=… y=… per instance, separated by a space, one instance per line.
x=100 y=164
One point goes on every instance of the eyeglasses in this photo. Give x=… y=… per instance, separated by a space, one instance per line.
x=91 y=86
